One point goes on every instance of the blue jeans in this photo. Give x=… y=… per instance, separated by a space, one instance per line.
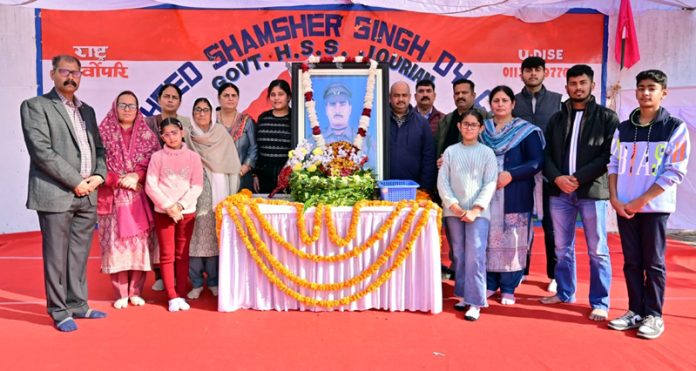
x=564 y=212
x=468 y=242
x=507 y=282
x=198 y=265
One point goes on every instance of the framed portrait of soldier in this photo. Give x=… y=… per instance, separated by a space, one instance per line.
x=339 y=91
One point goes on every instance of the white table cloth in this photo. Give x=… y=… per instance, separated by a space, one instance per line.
x=414 y=286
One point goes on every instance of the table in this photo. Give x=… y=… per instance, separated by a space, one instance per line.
x=415 y=285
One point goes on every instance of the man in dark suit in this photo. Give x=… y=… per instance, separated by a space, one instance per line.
x=67 y=165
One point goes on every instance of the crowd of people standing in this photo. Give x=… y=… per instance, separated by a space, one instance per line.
x=556 y=160
x=159 y=178
x=158 y=181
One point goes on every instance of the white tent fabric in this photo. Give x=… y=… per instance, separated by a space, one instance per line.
x=83 y=4
x=526 y=10
x=18 y=83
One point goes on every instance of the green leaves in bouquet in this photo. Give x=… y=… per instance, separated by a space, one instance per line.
x=312 y=188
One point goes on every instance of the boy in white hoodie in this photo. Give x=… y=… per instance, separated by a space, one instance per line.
x=650 y=152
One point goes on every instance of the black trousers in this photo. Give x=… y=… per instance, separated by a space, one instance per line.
x=643 y=245
x=268 y=176
x=549 y=243
x=66 y=241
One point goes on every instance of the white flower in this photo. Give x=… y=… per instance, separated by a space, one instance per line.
x=358 y=141
x=364 y=122
x=306 y=82
x=368 y=104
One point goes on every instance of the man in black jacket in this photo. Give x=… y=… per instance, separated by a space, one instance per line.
x=578 y=144
x=464 y=95
x=536 y=105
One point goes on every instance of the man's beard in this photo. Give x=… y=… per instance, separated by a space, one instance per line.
x=580 y=100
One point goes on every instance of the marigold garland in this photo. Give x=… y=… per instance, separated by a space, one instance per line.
x=352 y=229
x=236 y=199
x=316 y=228
x=244 y=197
x=318 y=302
x=422 y=195
x=369 y=271
x=381 y=231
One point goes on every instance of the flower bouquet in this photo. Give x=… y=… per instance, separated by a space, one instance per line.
x=332 y=174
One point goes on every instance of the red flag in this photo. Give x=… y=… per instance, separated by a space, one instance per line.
x=626 y=29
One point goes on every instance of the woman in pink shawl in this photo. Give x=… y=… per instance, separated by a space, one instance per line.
x=124 y=212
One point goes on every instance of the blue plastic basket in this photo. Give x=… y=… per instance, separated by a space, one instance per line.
x=396 y=190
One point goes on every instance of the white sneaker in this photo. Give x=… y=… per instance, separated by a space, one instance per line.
x=121 y=303
x=213 y=290
x=460 y=306
x=137 y=300
x=195 y=293
x=552 y=287
x=158 y=285
x=473 y=313
x=183 y=305
x=507 y=299
x=174 y=305
x=651 y=327
x=627 y=321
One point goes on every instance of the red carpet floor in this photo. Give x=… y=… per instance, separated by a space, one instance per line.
x=524 y=336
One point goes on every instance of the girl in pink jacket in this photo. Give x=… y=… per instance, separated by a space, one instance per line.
x=174 y=182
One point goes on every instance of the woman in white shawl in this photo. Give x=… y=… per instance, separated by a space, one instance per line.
x=221 y=167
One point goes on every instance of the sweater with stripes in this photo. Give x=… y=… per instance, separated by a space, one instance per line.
x=273 y=139
x=467 y=177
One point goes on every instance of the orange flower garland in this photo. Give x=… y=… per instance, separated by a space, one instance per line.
x=352 y=229
x=318 y=302
x=243 y=198
x=372 y=269
x=316 y=229
x=386 y=226
x=421 y=195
